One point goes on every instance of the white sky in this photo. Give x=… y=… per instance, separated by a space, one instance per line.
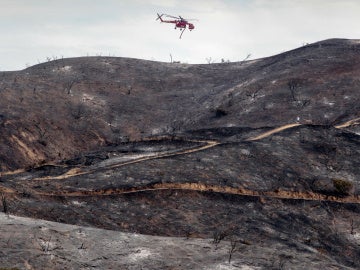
x=32 y=30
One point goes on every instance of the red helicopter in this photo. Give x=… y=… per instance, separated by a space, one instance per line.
x=179 y=22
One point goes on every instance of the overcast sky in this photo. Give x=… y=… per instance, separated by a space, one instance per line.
x=32 y=30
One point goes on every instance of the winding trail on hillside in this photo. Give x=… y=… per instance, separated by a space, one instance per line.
x=273 y=131
x=279 y=194
x=352 y=122
x=78 y=171
x=208 y=144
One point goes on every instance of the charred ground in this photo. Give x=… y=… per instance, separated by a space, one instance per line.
x=262 y=153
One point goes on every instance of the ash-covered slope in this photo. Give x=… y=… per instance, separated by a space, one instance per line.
x=38 y=244
x=58 y=109
x=262 y=157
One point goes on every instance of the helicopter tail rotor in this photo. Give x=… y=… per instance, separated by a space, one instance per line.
x=159 y=17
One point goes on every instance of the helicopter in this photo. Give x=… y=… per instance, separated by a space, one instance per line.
x=179 y=22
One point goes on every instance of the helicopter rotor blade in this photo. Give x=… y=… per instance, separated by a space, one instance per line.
x=159 y=16
x=172 y=17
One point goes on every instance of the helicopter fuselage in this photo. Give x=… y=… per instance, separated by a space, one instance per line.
x=183 y=24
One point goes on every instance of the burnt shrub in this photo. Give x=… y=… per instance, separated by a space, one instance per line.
x=342 y=187
x=4 y=204
x=324 y=148
x=220 y=112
